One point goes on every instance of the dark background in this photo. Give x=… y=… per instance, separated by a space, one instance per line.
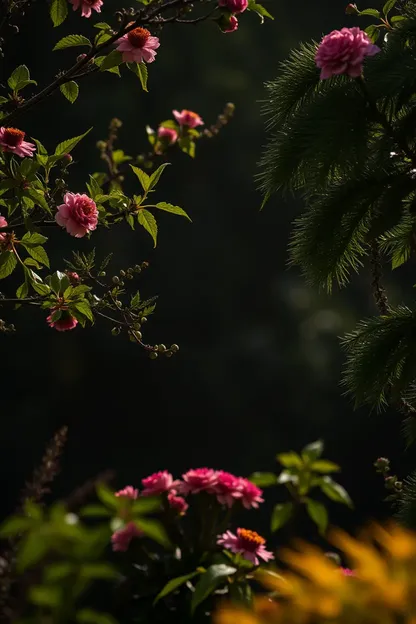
x=260 y=363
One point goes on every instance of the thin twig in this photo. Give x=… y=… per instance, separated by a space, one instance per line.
x=378 y=289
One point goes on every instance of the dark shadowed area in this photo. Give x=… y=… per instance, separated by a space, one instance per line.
x=259 y=365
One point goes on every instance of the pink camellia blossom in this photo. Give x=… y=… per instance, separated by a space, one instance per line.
x=78 y=214
x=3 y=224
x=343 y=52
x=247 y=543
x=169 y=135
x=188 y=118
x=12 y=140
x=228 y=488
x=199 y=480
x=138 y=45
x=128 y=492
x=177 y=503
x=251 y=494
x=121 y=539
x=234 y=6
x=66 y=321
x=231 y=25
x=158 y=483
x=87 y=6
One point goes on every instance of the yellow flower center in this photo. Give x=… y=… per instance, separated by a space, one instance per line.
x=138 y=37
x=13 y=136
x=251 y=539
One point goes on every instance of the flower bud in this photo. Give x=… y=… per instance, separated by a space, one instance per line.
x=351 y=9
x=66 y=159
x=390 y=482
x=153 y=355
x=382 y=464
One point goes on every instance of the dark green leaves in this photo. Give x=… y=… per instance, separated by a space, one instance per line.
x=173 y=209
x=70 y=90
x=58 y=11
x=318 y=513
x=263 y=479
x=147 y=220
x=32 y=242
x=8 y=263
x=19 y=79
x=174 y=584
x=281 y=515
x=144 y=179
x=140 y=70
x=113 y=59
x=67 y=146
x=71 y=41
x=335 y=491
x=258 y=8
x=211 y=579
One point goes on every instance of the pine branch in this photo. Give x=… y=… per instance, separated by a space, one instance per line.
x=378 y=289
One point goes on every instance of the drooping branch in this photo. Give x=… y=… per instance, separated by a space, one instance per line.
x=378 y=290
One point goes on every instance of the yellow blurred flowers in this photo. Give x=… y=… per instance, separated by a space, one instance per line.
x=313 y=590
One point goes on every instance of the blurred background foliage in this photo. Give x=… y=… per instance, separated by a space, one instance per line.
x=259 y=366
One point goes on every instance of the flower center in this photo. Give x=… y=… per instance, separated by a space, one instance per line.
x=13 y=136
x=86 y=207
x=250 y=539
x=138 y=37
x=190 y=114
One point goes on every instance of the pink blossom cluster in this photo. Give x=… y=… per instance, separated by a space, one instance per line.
x=225 y=486
x=343 y=52
x=167 y=135
x=229 y=22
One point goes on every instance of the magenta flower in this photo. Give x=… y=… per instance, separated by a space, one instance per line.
x=121 y=539
x=188 y=118
x=234 y=6
x=87 y=6
x=343 y=52
x=138 y=45
x=66 y=321
x=3 y=224
x=169 y=135
x=198 y=480
x=347 y=572
x=247 y=543
x=73 y=277
x=78 y=214
x=128 y=492
x=228 y=488
x=230 y=26
x=11 y=140
x=177 y=503
x=158 y=483
x=251 y=494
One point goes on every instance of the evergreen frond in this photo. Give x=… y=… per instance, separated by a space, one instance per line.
x=381 y=358
x=399 y=241
x=406 y=513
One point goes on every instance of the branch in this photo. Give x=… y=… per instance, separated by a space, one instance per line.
x=378 y=289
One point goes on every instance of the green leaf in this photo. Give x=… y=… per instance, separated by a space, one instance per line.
x=71 y=41
x=38 y=197
x=84 y=308
x=188 y=146
x=89 y=616
x=174 y=584
x=59 y=282
x=20 y=74
x=318 y=513
x=41 y=289
x=45 y=596
x=58 y=11
x=3 y=100
x=263 y=479
x=371 y=12
x=323 y=465
x=67 y=146
x=154 y=530
x=373 y=32
x=8 y=264
x=98 y=60
x=70 y=90
x=107 y=497
x=389 y=5
x=98 y=571
x=281 y=515
x=335 y=491
x=259 y=9
x=22 y=291
x=289 y=460
x=146 y=504
x=155 y=177
x=147 y=220
x=32 y=549
x=141 y=71
x=209 y=581
x=102 y=26
x=15 y=526
x=37 y=253
x=173 y=209
x=94 y=511
x=144 y=179
x=33 y=239
x=313 y=451
x=113 y=59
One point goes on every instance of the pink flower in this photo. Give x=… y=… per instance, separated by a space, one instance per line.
x=234 y=6
x=158 y=483
x=78 y=214
x=228 y=488
x=347 y=572
x=86 y=6
x=198 y=480
x=168 y=134
x=343 y=52
x=73 y=277
x=3 y=223
x=121 y=539
x=11 y=140
x=138 y=45
x=230 y=26
x=177 y=503
x=128 y=492
x=248 y=543
x=251 y=494
x=188 y=118
x=64 y=323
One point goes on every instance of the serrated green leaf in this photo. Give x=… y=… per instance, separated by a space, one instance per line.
x=113 y=59
x=318 y=513
x=84 y=308
x=155 y=177
x=70 y=90
x=20 y=74
x=263 y=479
x=71 y=41
x=102 y=26
x=280 y=516
x=98 y=60
x=147 y=220
x=22 y=291
x=174 y=584
x=24 y=83
x=144 y=179
x=173 y=209
x=34 y=239
x=41 y=289
x=67 y=146
x=335 y=491
x=209 y=581
x=141 y=71
x=58 y=11
x=37 y=253
x=8 y=264
x=38 y=198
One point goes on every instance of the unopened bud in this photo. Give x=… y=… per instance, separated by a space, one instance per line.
x=80 y=57
x=352 y=9
x=382 y=464
x=153 y=355
x=66 y=159
x=101 y=145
